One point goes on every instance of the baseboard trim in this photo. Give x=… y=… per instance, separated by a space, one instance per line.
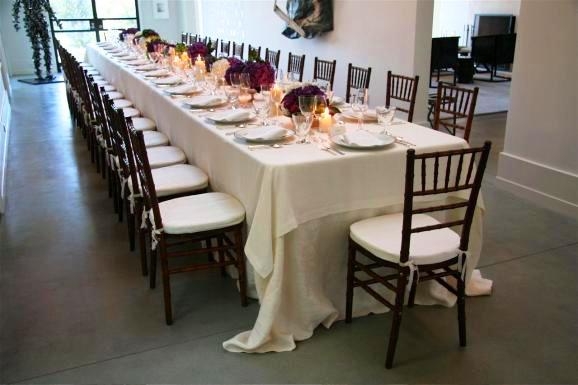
x=545 y=185
x=4 y=160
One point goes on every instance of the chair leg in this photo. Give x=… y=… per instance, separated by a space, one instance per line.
x=113 y=189
x=396 y=322
x=350 y=276
x=220 y=243
x=97 y=156
x=103 y=162
x=412 y=291
x=130 y=221
x=141 y=237
x=462 y=310
x=241 y=267
x=120 y=200
x=153 y=269
x=166 y=281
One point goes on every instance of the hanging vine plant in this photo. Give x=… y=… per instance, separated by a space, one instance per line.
x=36 y=26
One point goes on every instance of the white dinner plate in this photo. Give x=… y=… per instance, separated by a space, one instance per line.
x=168 y=81
x=146 y=67
x=242 y=135
x=120 y=55
x=223 y=117
x=138 y=62
x=158 y=73
x=383 y=140
x=130 y=58
x=368 y=116
x=184 y=89
x=205 y=101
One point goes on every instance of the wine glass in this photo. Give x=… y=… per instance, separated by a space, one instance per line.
x=385 y=115
x=261 y=106
x=211 y=81
x=302 y=127
x=307 y=106
x=279 y=78
x=232 y=94
x=245 y=80
x=360 y=105
x=235 y=80
x=276 y=97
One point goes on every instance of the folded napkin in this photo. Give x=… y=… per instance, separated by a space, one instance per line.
x=168 y=80
x=361 y=139
x=205 y=101
x=146 y=67
x=265 y=133
x=183 y=89
x=138 y=62
x=158 y=73
x=130 y=58
x=337 y=100
x=231 y=116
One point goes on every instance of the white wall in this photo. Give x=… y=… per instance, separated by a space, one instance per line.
x=171 y=28
x=378 y=34
x=450 y=16
x=540 y=158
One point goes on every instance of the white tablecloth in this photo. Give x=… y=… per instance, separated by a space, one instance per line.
x=300 y=202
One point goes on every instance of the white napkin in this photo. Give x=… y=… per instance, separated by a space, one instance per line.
x=183 y=89
x=120 y=54
x=158 y=73
x=361 y=139
x=205 y=101
x=146 y=67
x=138 y=62
x=336 y=100
x=129 y=58
x=168 y=80
x=265 y=133
x=231 y=116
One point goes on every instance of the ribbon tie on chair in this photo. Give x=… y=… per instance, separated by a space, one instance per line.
x=412 y=271
x=155 y=233
x=462 y=262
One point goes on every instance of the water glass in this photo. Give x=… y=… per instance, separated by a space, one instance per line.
x=385 y=115
x=360 y=104
x=261 y=107
x=232 y=94
x=302 y=127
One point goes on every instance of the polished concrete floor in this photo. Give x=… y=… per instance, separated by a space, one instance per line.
x=75 y=309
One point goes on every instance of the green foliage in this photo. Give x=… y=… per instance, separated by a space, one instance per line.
x=36 y=28
x=254 y=56
x=180 y=48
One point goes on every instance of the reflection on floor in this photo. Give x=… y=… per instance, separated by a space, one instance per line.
x=75 y=309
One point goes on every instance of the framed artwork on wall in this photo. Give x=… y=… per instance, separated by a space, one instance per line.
x=161 y=9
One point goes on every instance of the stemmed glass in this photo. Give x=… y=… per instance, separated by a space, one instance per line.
x=307 y=106
x=262 y=106
x=232 y=94
x=211 y=81
x=360 y=105
x=276 y=97
x=302 y=127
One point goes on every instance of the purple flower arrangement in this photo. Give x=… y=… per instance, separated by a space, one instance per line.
x=198 y=49
x=158 y=45
x=291 y=100
x=260 y=72
x=128 y=31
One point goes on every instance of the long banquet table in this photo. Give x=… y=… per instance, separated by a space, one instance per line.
x=299 y=202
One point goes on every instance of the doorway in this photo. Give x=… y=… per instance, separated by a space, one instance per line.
x=89 y=21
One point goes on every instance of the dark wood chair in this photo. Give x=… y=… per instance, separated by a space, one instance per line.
x=191 y=220
x=272 y=57
x=324 y=70
x=238 y=50
x=253 y=51
x=399 y=242
x=295 y=66
x=404 y=89
x=357 y=77
x=453 y=105
x=214 y=44
x=444 y=56
x=225 y=48
x=185 y=37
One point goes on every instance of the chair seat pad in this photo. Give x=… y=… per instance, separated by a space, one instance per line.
x=101 y=82
x=177 y=179
x=130 y=112
x=122 y=103
x=155 y=138
x=114 y=95
x=165 y=156
x=203 y=212
x=382 y=237
x=109 y=88
x=144 y=124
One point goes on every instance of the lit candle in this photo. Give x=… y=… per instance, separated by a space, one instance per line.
x=325 y=121
x=200 y=66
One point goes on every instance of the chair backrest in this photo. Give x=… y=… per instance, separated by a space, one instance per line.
x=403 y=88
x=225 y=48
x=272 y=57
x=295 y=66
x=253 y=51
x=324 y=70
x=357 y=77
x=145 y=177
x=116 y=118
x=185 y=37
x=214 y=45
x=99 y=112
x=446 y=179
x=238 y=50
x=453 y=104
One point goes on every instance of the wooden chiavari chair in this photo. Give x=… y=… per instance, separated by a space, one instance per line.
x=272 y=57
x=238 y=50
x=414 y=241
x=324 y=70
x=225 y=48
x=403 y=88
x=190 y=220
x=214 y=44
x=357 y=78
x=185 y=37
x=453 y=105
x=253 y=52
x=295 y=66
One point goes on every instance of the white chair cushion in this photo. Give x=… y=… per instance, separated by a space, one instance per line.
x=382 y=237
x=144 y=124
x=130 y=112
x=122 y=103
x=177 y=179
x=114 y=95
x=109 y=88
x=155 y=138
x=203 y=212
x=101 y=82
x=165 y=156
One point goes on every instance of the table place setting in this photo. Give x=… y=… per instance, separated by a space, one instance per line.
x=231 y=117
x=159 y=73
x=138 y=62
x=170 y=80
x=146 y=67
x=183 y=90
x=204 y=102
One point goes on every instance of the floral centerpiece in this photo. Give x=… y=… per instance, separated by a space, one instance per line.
x=203 y=50
x=290 y=102
x=125 y=32
x=220 y=67
x=260 y=72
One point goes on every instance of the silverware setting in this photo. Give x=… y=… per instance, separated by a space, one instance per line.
x=399 y=139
